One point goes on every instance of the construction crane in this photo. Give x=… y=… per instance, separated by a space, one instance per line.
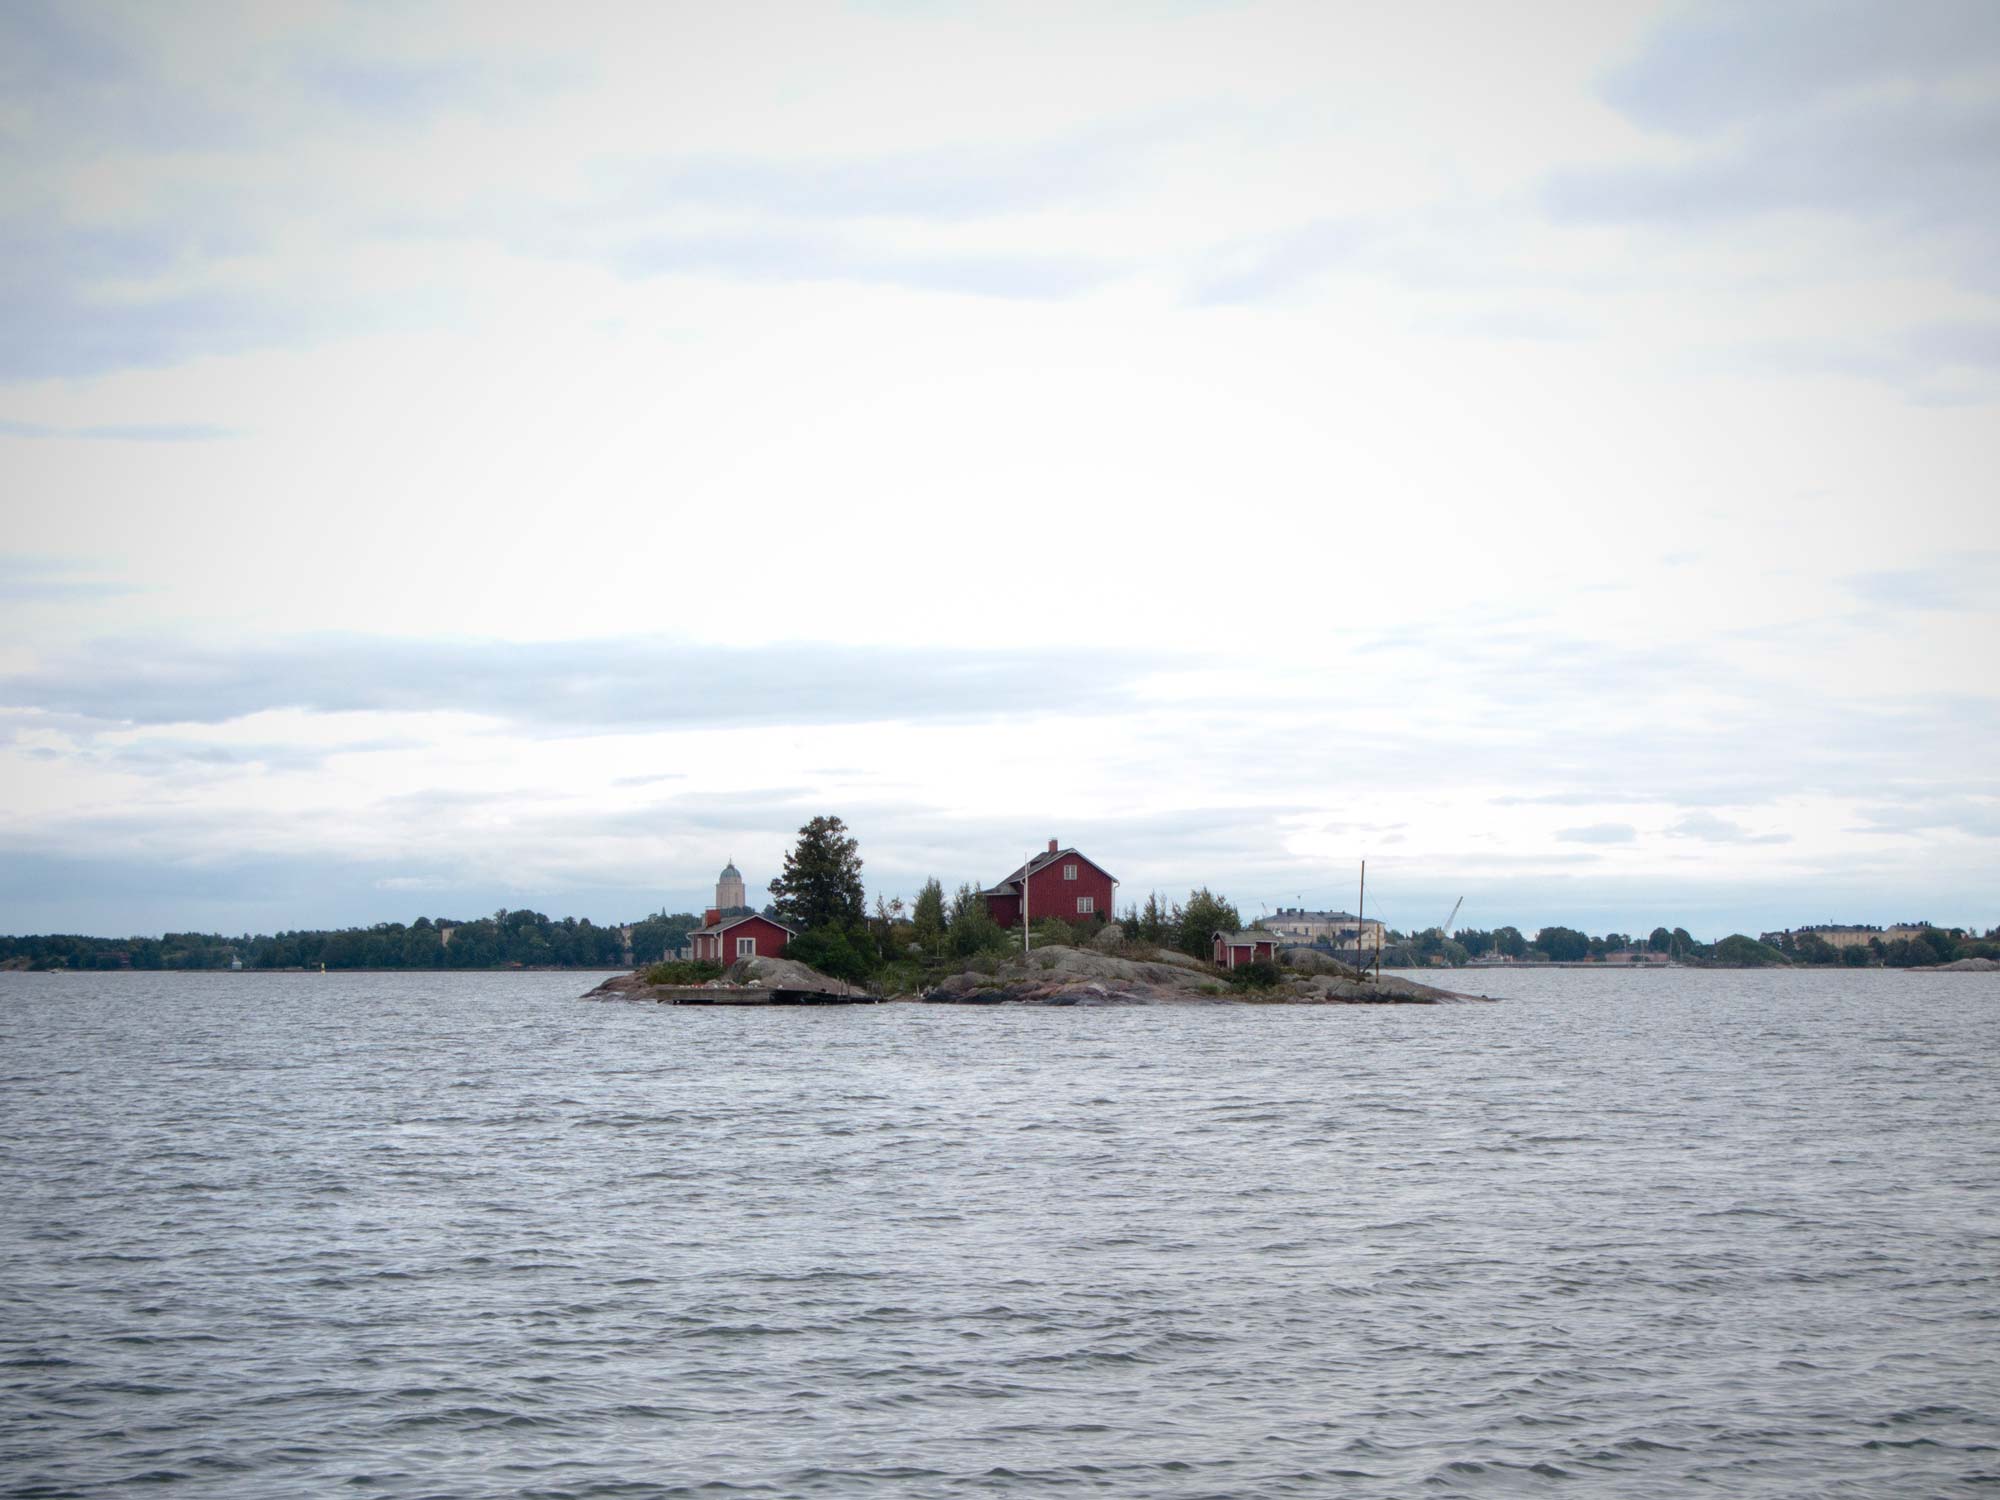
x=1446 y=929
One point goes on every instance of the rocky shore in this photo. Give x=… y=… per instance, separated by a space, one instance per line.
x=1062 y=976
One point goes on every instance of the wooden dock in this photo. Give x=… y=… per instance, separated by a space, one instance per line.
x=701 y=995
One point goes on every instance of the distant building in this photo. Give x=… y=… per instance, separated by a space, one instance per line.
x=1849 y=937
x=1336 y=929
x=729 y=888
x=1234 y=948
x=729 y=932
x=1057 y=883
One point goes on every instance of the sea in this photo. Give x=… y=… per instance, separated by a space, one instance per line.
x=1671 y=1233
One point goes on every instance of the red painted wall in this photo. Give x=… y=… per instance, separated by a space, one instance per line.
x=1049 y=895
x=721 y=948
x=1229 y=955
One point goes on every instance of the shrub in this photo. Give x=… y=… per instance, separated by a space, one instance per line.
x=1740 y=948
x=835 y=952
x=1259 y=974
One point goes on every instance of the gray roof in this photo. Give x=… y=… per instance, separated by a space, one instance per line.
x=1039 y=862
x=730 y=872
x=1237 y=939
x=748 y=916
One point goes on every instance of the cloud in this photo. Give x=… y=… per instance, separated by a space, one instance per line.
x=1842 y=109
x=1713 y=65
x=122 y=432
x=45 y=580
x=1272 y=266
x=1710 y=828
x=568 y=687
x=777 y=254
x=1976 y=817
x=1959 y=583
x=1598 y=833
x=80 y=300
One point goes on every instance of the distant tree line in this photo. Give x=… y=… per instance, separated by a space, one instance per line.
x=1569 y=945
x=504 y=940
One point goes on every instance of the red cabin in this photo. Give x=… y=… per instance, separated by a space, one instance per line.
x=723 y=942
x=1057 y=883
x=1233 y=948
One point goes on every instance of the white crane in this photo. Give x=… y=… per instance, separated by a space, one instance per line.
x=1446 y=929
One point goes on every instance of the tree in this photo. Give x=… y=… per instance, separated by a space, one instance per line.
x=835 y=951
x=973 y=929
x=1741 y=948
x=1201 y=919
x=928 y=916
x=1662 y=941
x=821 y=885
x=1510 y=942
x=1563 y=944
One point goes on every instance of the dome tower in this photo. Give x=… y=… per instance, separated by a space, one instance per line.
x=729 y=888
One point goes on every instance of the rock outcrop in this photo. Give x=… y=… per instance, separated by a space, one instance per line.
x=1965 y=966
x=744 y=974
x=1078 y=976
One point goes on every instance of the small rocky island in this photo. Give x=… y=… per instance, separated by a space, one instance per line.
x=1053 y=975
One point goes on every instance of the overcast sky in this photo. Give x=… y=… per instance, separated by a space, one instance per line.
x=465 y=456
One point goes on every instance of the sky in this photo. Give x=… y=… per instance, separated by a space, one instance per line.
x=465 y=456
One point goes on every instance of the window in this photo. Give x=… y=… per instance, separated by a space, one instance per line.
x=746 y=947
x=1085 y=905
x=1069 y=872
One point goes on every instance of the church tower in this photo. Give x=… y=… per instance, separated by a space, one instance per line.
x=729 y=888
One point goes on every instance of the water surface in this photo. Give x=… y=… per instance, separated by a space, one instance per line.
x=1648 y=1234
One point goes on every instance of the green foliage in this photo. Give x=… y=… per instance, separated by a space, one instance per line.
x=1258 y=974
x=1509 y=942
x=1201 y=919
x=1563 y=944
x=821 y=883
x=683 y=971
x=1740 y=948
x=840 y=952
x=660 y=934
x=1909 y=953
x=1054 y=930
x=1662 y=941
x=927 y=916
x=1151 y=925
x=973 y=929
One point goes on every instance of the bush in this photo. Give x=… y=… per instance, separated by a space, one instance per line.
x=683 y=971
x=1259 y=974
x=1739 y=948
x=835 y=952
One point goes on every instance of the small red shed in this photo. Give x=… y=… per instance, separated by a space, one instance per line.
x=723 y=942
x=1233 y=948
x=1056 y=883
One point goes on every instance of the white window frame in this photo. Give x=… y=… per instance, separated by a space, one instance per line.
x=746 y=947
x=1069 y=872
x=1086 y=906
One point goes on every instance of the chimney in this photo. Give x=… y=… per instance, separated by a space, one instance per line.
x=1052 y=846
x=710 y=917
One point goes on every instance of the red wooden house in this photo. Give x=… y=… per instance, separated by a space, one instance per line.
x=1057 y=883
x=723 y=942
x=1233 y=948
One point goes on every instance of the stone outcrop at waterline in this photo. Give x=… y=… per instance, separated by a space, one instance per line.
x=1057 y=976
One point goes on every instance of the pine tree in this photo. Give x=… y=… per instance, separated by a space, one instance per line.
x=821 y=885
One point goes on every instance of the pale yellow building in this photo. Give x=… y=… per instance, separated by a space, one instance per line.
x=1339 y=928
